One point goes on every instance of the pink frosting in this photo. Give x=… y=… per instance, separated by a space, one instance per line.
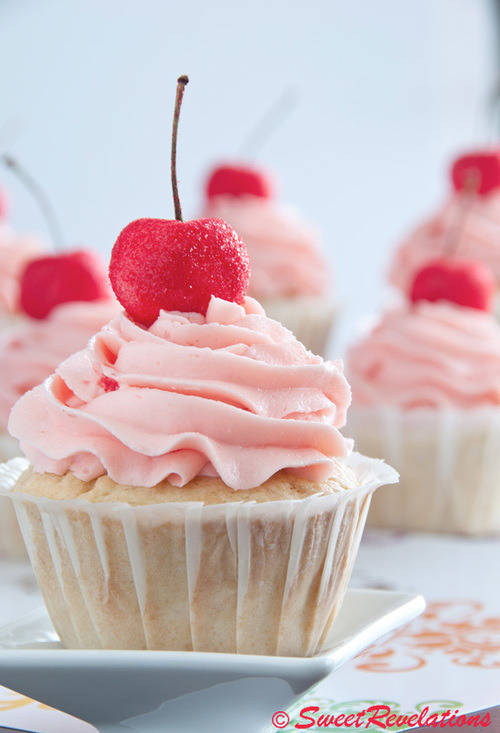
x=230 y=394
x=15 y=252
x=32 y=350
x=477 y=237
x=430 y=354
x=285 y=256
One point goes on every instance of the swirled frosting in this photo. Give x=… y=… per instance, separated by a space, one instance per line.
x=15 y=253
x=285 y=257
x=469 y=230
x=428 y=355
x=230 y=394
x=30 y=351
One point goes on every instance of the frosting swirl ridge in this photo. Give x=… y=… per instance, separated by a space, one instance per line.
x=428 y=355
x=230 y=394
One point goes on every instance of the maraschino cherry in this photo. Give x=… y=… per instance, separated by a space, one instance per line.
x=67 y=277
x=174 y=265
x=465 y=282
x=481 y=167
x=239 y=180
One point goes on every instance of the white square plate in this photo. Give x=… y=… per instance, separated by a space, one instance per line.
x=186 y=691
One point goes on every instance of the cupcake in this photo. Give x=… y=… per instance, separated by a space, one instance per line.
x=189 y=488
x=426 y=397
x=468 y=223
x=289 y=275
x=57 y=322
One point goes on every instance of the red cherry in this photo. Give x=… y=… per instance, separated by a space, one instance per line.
x=480 y=170
x=465 y=282
x=64 y=278
x=4 y=204
x=177 y=266
x=233 y=180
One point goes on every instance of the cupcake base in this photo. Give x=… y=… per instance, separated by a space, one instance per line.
x=254 y=578
x=11 y=539
x=449 y=465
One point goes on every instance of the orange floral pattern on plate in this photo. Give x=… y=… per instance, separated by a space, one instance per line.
x=460 y=629
x=15 y=700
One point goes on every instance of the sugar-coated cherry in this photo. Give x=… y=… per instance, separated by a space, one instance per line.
x=177 y=266
x=239 y=180
x=63 y=278
x=479 y=171
x=465 y=282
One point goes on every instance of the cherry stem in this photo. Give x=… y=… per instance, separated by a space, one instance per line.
x=181 y=85
x=40 y=197
x=273 y=118
x=469 y=193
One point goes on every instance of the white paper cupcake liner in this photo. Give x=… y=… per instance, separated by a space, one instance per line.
x=256 y=578
x=11 y=540
x=449 y=465
x=310 y=319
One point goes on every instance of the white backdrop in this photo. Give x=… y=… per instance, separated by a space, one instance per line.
x=388 y=91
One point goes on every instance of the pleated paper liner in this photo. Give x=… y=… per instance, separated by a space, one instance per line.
x=449 y=465
x=251 y=578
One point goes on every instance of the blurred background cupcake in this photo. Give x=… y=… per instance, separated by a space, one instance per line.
x=426 y=397
x=68 y=299
x=289 y=272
